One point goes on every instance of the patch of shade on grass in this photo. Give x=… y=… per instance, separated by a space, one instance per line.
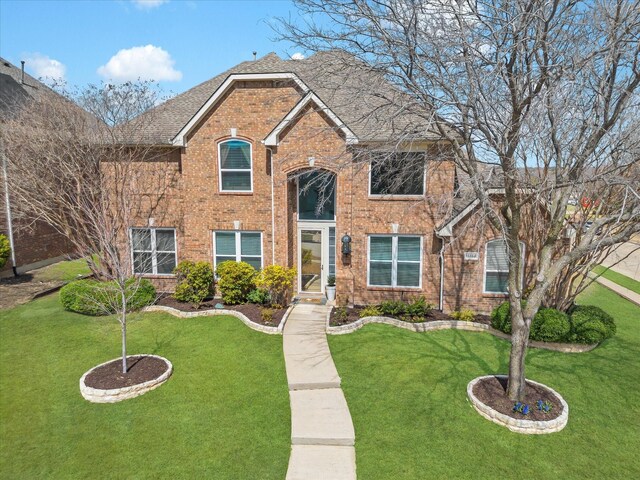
x=619 y=278
x=407 y=396
x=223 y=414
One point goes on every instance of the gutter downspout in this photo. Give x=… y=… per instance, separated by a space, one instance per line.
x=5 y=180
x=273 y=214
x=441 y=293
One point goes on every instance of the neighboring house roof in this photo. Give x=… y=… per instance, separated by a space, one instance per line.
x=363 y=100
x=13 y=91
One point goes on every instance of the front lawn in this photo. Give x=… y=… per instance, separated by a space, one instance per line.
x=407 y=396
x=224 y=414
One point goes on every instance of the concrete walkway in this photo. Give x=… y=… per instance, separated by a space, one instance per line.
x=625 y=259
x=620 y=290
x=322 y=435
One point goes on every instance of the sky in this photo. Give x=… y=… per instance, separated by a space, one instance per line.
x=179 y=43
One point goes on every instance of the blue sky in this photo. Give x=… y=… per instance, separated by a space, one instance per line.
x=180 y=43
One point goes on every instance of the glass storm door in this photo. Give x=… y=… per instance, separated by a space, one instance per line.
x=311 y=260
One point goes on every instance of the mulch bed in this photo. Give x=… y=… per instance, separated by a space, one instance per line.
x=492 y=392
x=252 y=311
x=353 y=314
x=139 y=370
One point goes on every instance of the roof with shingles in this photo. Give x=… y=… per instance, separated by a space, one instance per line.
x=378 y=112
x=13 y=91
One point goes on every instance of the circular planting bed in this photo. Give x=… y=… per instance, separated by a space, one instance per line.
x=542 y=410
x=106 y=383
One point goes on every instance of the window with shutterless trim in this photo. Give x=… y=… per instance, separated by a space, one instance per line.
x=496 y=266
x=398 y=174
x=238 y=247
x=235 y=162
x=153 y=250
x=394 y=261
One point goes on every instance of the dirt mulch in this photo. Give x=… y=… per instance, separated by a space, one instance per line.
x=22 y=289
x=139 y=370
x=252 y=311
x=492 y=391
x=353 y=314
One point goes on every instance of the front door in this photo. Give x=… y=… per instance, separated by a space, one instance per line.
x=316 y=257
x=311 y=264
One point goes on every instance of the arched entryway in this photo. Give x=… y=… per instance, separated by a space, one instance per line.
x=316 y=229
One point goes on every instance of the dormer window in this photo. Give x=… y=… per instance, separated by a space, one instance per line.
x=235 y=166
x=397 y=174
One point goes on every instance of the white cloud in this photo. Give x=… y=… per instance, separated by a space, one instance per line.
x=145 y=63
x=46 y=68
x=148 y=4
x=297 y=56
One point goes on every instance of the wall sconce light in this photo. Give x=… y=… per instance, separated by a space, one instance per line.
x=346 y=245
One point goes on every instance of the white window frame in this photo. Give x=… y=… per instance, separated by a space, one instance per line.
x=484 y=271
x=224 y=170
x=394 y=261
x=154 y=252
x=316 y=220
x=401 y=195
x=238 y=234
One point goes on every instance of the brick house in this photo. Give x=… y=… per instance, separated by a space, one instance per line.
x=278 y=161
x=35 y=244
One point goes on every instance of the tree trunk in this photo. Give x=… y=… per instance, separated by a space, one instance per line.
x=123 y=326
x=519 y=342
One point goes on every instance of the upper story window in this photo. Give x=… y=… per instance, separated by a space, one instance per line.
x=317 y=196
x=496 y=266
x=154 y=250
x=235 y=162
x=399 y=173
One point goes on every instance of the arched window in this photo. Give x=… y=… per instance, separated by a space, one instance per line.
x=496 y=266
x=235 y=164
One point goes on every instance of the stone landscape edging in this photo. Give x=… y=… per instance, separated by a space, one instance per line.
x=212 y=312
x=529 y=427
x=456 y=325
x=113 y=395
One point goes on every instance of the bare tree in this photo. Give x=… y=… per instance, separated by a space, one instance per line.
x=545 y=91
x=91 y=174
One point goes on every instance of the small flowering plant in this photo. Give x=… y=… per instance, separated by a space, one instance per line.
x=544 y=406
x=522 y=408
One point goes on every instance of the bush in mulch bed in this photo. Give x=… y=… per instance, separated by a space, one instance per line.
x=93 y=297
x=346 y=315
x=538 y=403
x=256 y=313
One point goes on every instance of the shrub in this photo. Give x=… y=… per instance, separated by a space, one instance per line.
x=342 y=314
x=195 y=282
x=278 y=281
x=370 y=311
x=258 y=296
x=236 y=280
x=465 y=314
x=5 y=250
x=395 y=308
x=501 y=316
x=91 y=297
x=267 y=315
x=590 y=324
x=418 y=308
x=549 y=325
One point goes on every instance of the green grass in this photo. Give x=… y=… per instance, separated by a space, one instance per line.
x=407 y=396
x=620 y=279
x=223 y=414
x=62 y=271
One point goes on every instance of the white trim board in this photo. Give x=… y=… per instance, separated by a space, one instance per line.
x=179 y=139
x=273 y=139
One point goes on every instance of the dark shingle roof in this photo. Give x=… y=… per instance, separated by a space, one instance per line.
x=13 y=92
x=377 y=112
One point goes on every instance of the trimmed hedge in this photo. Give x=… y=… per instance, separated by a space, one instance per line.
x=236 y=281
x=584 y=324
x=550 y=325
x=590 y=324
x=5 y=250
x=91 y=297
x=195 y=282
